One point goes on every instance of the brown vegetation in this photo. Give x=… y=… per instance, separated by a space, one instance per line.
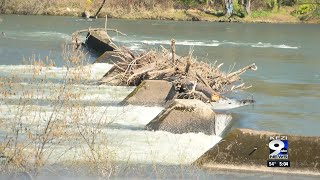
x=192 y=79
x=203 y=10
x=38 y=136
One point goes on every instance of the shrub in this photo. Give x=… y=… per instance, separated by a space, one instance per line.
x=238 y=10
x=272 y=4
x=305 y=9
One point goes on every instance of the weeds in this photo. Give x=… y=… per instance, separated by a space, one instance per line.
x=44 y=120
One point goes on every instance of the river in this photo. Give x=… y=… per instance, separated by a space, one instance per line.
x=286 y=86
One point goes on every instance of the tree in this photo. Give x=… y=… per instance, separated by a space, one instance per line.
x=2 y=6
x=279 y=2
x=248 y=7
x=103 y=2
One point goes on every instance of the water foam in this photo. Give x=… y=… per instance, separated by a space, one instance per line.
x=93 y=71
x=259 y=45
x=183 y=43
x=124 y=133
x=269 y=45
x=137 y=45
x=122 y=126
x=49 y=93
x=38 y=35
x=133 y=146
x=161 y=147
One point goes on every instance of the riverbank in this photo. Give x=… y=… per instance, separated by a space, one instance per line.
x=285 y=14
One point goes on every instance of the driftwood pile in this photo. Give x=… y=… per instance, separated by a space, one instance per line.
x=192 y=79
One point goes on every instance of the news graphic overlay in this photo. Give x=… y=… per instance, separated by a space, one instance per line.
x=278 y=147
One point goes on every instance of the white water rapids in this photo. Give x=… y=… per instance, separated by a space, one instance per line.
x=124 y=132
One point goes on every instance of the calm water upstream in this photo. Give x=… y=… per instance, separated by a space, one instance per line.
x=286 y=86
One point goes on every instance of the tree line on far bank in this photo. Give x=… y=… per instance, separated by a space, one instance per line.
x=248 y=5
x=241 y=8
x=244 y=7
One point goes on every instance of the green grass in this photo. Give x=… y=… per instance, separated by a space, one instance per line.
x=258 y=14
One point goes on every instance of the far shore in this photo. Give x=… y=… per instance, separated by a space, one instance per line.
x=174 y=15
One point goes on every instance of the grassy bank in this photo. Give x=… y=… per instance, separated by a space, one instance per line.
x=168 y=10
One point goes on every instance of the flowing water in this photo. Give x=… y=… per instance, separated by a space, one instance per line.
x=286 y=86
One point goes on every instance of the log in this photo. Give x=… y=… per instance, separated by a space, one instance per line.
x=203 y=80
x=241 y=71
x=96 y=29
x=173 y=50
x=187 y=85
x=194 y=95
x=188 y=66
x=205 y=90
x=160 y=72
x=141 y=71
x=144 y=69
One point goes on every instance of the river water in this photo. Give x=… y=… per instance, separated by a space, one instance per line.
x=286 y=86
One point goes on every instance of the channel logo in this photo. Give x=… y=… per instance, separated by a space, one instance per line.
x=278 y=151
x=278 y=147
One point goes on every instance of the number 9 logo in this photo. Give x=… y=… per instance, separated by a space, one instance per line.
x=276 y=145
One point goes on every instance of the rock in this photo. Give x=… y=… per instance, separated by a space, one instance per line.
x=108 y=78
x=109 y=57
x=194 y=18
x=244 y=149
x=85 y=14
x=98 y=41
x=151 y=92
x=188 y=115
